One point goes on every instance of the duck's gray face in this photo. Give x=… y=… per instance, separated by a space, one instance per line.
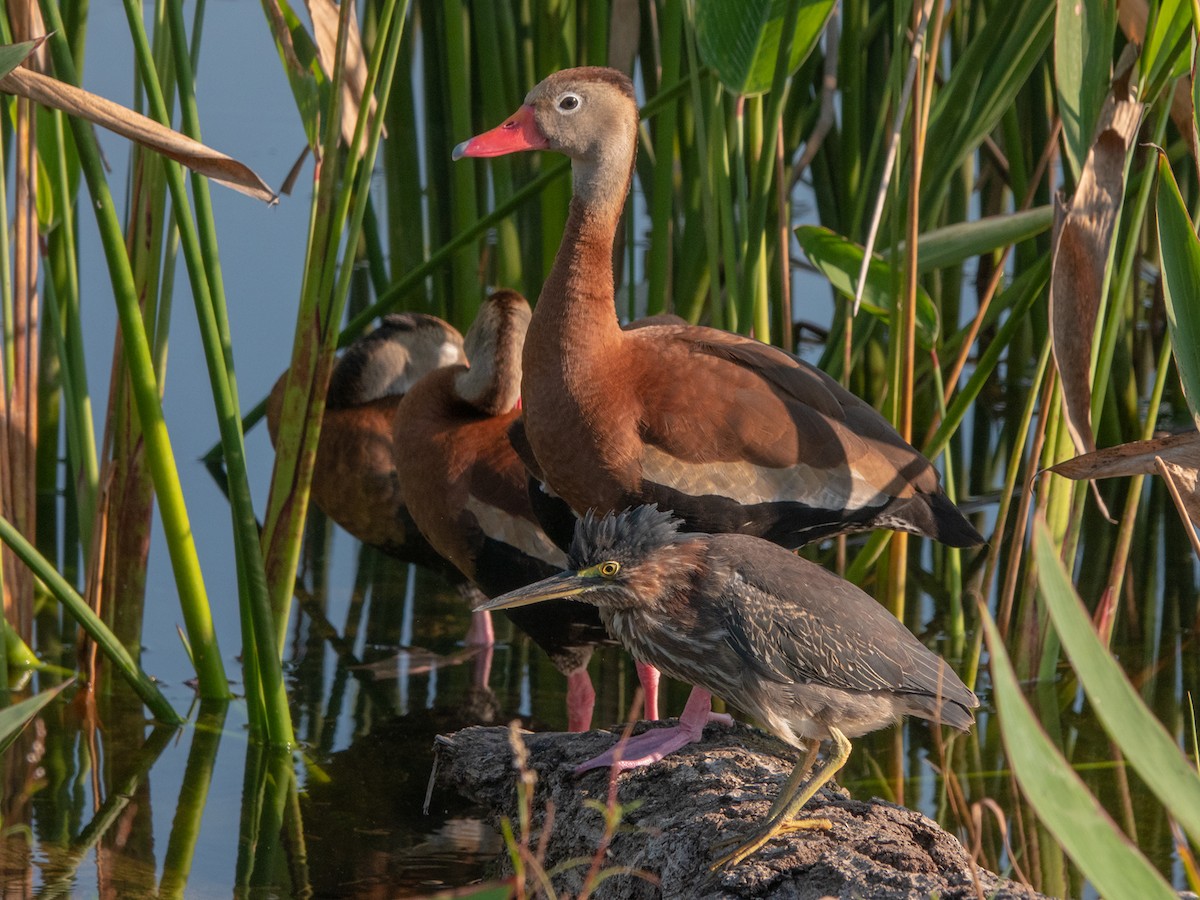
x=581 y=117
x=577 y=112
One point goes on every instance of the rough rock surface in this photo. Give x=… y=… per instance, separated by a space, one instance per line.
x=710 y=792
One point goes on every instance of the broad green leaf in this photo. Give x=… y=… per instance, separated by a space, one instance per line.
x=739 y=39
x=13 y=719
x=1141 y=737
x=1062 y=802
x=1083 y=41
x=1179 y=257
x=840 y=260
x=1165 y=55
x=955 y=244
x=12 y=55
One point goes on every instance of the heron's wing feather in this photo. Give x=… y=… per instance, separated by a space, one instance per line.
x=792 y=621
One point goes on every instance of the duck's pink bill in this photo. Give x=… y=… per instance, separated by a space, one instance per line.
x=517 y=132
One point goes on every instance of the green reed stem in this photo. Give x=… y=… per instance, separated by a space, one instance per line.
x=89 y=622
x=308 y=374
x=1133 y=499
x=754 y=291
x=321 y=308
x=163 y=471
x=203 y=271
x=705 y=124
x=464 y=207
x=662 y=222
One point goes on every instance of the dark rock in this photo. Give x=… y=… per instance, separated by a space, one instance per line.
x=717 y=790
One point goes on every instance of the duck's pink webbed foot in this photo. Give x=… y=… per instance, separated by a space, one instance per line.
x=581 y=700
x=651 y=746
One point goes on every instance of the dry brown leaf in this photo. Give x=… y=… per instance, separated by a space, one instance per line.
x=124 y=121
x=1081 y=257
x=1176 y=458
x=1134 y=458
x=1181 y=483
x=1132 y=16
x=25 y=17
x=324 y=14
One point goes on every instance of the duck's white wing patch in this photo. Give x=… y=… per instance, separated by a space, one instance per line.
x=747 y=483
x=515 y=531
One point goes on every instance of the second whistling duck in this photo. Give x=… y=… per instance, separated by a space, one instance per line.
x=465 y=488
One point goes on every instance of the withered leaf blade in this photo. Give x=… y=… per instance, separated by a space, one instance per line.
x=124 y=121
x=324 y=14
x=1181 y=482
x=1081 y=257
x=1134 y=458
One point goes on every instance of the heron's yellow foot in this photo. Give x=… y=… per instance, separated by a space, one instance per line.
x=761 y=838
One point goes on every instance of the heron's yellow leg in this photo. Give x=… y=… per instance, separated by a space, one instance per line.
x=799 y=773
x=791 y=800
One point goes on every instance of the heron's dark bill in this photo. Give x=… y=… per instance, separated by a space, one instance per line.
x=556 y=587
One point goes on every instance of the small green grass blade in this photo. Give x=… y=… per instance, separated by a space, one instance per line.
x=13 y=719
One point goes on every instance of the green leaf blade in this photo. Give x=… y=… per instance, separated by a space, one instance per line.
x=13 y=719
x=12 y=55
x=1063 y=803
x=1083 y=40
x=1179 y=258
x=1139 y=734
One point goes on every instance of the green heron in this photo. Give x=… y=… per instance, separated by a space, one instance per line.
x=806 y=653
x=467 y=492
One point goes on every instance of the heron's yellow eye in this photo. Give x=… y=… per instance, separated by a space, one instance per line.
x=609 y=569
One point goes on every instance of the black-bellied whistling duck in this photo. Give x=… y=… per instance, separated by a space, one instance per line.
x=465 y=488
x=727 y=432
x=354 y=480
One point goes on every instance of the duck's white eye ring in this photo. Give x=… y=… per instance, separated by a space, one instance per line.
x=569 y=102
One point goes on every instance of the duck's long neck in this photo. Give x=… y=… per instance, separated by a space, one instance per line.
x=577 y=298
x=493 y=382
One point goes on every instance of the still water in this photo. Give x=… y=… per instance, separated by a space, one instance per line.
x=116 y=808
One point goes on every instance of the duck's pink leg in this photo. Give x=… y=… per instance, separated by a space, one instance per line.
x=651 y=746
x=483 y=666
x=648 y=676
x=481 y=633
x=581 y=699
